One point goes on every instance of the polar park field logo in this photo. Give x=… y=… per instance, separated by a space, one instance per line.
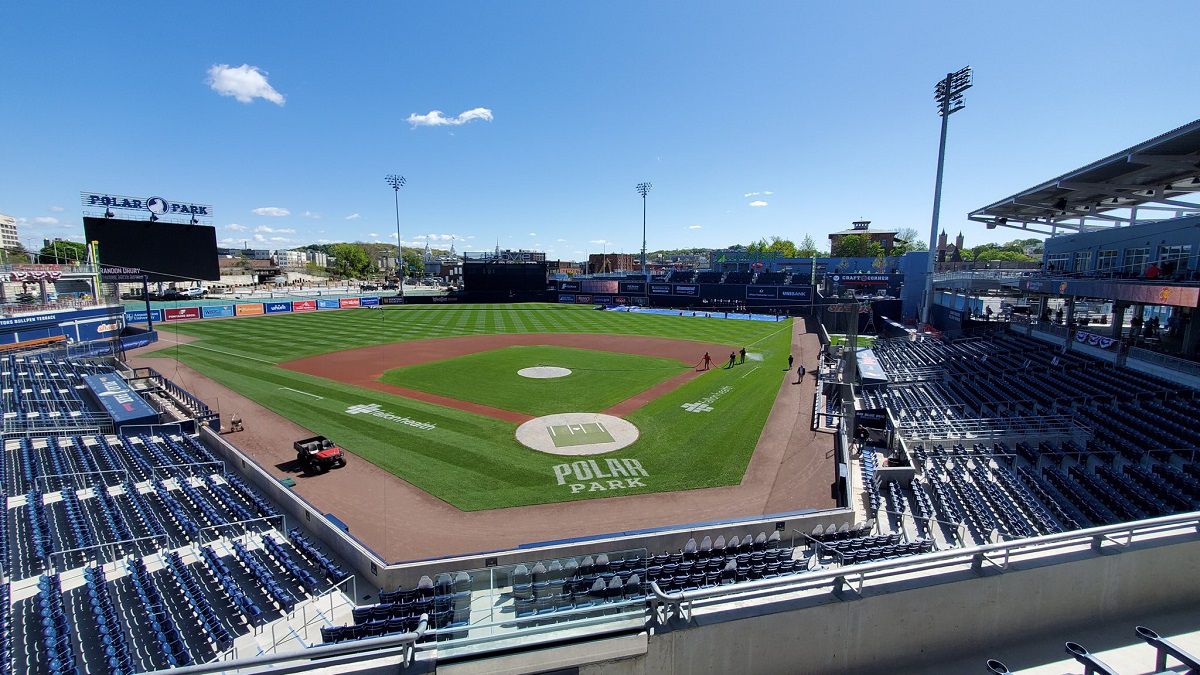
x=374 y=409
x=706 y=404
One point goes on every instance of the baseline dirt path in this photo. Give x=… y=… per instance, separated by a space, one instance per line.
x=364 y=366
x=791 y=469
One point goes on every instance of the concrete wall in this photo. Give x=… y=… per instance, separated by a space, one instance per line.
x=931 y=620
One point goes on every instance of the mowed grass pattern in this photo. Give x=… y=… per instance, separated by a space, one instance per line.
x=471 y=461
x=597 y=380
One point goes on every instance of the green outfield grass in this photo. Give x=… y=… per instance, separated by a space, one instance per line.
x=474 y=462
x=597 y=380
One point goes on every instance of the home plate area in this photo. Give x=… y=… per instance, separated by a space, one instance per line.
x=576 y=433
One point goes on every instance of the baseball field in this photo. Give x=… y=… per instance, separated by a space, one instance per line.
x=436 y=394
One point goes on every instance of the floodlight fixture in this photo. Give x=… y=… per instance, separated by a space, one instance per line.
x=948 y=94
x=642 y=189
x=396 y=181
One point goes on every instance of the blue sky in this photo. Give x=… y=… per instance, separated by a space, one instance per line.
x=824 y=109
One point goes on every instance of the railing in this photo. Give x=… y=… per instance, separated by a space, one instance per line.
x=326 y=654
x=1000 y=556
x=1044 y=427
x=1164 y=360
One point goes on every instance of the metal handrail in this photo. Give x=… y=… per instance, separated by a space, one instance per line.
x=380 y=644
x=976 y=555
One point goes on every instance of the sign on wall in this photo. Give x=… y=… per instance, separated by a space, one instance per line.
x=181 y=313
x=146 y=206
x=304 y=306
x=248 y=309
x=216 y=311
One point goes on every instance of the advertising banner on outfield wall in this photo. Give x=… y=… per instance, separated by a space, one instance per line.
x=762 y=292
x=216 y=311
x=248 y=309
x=392 y=300
x=325 y=303
x=368 y=302
x=602 y=299
x=633 y=287
x=304 y=305
x=798 y=293
x=139 y=315
x=566 y=297
x=178 y=313
x=348 y=302
x=620 y=299
x=277 y=307
x=687 y=289
x=660 y=289
x=583 y=299
x=572 y=286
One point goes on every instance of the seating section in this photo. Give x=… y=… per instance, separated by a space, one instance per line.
x=44 y=390
x=1139 y=461
x=771 y=278
x=739 y=277
x=145 y=554
x=724 y=561
x=708 y=277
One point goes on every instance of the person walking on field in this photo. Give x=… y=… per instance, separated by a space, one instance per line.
x=732 y=359
x=707 y=360
x=800 y=372
x=790 y=359
x=743 y=353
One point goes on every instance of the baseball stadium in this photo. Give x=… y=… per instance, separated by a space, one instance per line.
x=743 y=461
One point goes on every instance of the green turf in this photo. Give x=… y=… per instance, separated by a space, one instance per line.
x=471 y=461
x=597 y=380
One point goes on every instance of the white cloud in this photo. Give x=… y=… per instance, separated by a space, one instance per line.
x=310 y=214
x=436 y=237
x=561 y=241
x=236 y=227
x=275 y=230
x=259 y=237
x=46 y=220
x=695 y=227
x=280 y=239
x=766 y=193
x=599 y=241
x=353 y=216
x=758 y=202
x=57 y=209
x=244 y=83
x=273 y=211
x=533 y=234
x=373 y=235
x=435 y=118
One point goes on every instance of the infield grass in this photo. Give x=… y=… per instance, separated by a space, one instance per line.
x=471 y=461
x=597 y=380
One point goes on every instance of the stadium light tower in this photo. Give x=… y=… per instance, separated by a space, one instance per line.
x=948 y=94
x=397 y=182
x=642 y=189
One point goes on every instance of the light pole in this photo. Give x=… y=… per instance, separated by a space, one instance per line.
x=948 y=94
x=397 y=182
x=642 y=189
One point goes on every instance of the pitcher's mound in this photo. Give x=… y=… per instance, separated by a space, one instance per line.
x=544 y=372
x=576 y=433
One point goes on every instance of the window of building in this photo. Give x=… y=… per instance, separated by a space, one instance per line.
x=1174 y=258
x=1106 y=260
x=1057 y=262
x=1080 y=261
x=1135 y=260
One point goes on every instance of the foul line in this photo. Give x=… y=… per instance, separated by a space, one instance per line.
x=768 y=335
x=749 y=371
x=321 y=398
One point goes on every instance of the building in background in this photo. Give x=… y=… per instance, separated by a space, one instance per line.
x=290 y=259
x=886 y=238
x=247 y=253
x=949 y=252
x=385 y=263
x=318 y=258
x=8 y=232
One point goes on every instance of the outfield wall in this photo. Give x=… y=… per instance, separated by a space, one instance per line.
x=77 y=325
